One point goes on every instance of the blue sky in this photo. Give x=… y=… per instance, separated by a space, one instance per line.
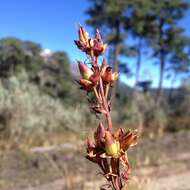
x=53 y=24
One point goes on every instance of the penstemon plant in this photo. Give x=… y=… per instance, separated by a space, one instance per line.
x=108 y=148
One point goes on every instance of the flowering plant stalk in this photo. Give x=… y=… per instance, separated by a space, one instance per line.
x=108 y=148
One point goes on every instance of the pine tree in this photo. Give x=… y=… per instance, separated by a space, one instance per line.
x=167 y=34
x=138 y=26
x=109 y=16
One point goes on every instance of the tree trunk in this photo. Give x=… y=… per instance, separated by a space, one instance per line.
x=110 y=56
x=115 y=58
x=161 y=77
x=162 y=62
x=138 y=64
x=172 y=87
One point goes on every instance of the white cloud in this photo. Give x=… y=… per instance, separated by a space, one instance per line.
x=46 y=52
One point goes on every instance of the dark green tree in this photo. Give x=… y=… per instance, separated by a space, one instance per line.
x=167 y=34
x=50 y=72
x=110 y=16
x=55 y=75
x=119 y=19
x=180 y=60
x=11 y=55
x=16 y=55
x=138 y=27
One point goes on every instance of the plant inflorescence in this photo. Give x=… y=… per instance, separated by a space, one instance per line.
x=108 y=148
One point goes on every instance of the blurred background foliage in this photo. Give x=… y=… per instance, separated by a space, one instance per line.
x=39 y=94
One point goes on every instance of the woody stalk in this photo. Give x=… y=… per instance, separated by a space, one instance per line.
x=108 y=148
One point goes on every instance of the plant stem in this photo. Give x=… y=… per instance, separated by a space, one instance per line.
x=96 y=94
x=107 y=90
x=105 y=104
x=103 y=95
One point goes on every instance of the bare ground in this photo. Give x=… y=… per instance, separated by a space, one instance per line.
x=158 y=164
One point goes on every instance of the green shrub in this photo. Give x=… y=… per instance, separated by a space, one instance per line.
x=141 y=112
x=28 y=111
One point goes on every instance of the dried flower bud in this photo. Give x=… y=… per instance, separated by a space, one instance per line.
x=86 y=85
x=90 y=144
x=115 y=76
x=128 y=139
x=85 y=42
x=108 y=76
x=98 y=36
x=84 y=70
x=91 y=42
x=100 y=133
x=95 y=77
x=83 y=35
x=112 y=147
x=99 y=48
x=92 y=47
